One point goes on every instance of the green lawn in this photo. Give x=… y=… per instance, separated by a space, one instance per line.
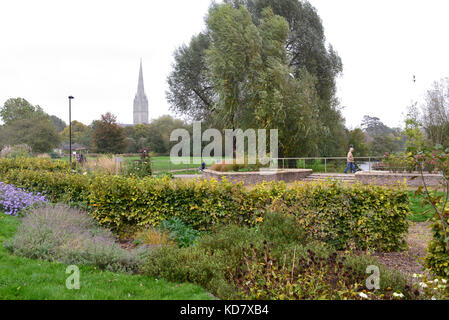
x=163 y=163
x=22 y=278
x=419 y=213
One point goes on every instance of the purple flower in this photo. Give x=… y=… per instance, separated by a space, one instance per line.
x=13 y=199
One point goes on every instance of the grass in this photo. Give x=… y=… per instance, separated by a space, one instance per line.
x=420 y=213
x=162 y=163
x=28 y=279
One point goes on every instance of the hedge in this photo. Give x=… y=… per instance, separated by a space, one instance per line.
x=70 y=188
x=33 y=164
x=348 y=216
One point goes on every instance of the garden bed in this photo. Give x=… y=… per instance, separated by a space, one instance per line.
x=254 y=177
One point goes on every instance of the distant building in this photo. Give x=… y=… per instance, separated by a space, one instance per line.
x=140 y=113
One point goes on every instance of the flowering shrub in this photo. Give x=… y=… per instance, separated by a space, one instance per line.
x=432 y=289
x=13 y=199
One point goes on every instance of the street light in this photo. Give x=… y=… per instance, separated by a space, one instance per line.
x=70 y=129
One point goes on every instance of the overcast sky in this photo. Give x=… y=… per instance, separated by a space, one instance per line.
x=91 y=50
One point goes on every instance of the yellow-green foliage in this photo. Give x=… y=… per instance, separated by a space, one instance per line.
x=154 y=237
x=354 y=216
x=347 y=216
x=64 y=187
x=33 y=164
x=437 y=258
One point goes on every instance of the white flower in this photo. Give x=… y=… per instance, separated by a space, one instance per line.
x=444 y=281
x=433 y=298
x=363 y=295
x=398 y=295
x=435 y=281
x=423 y=285
x=417 y=275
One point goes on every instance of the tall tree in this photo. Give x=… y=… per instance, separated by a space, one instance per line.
x=435 y=118
x=79 y=132
x=20 y=109
x=357 y=138
x=191 y=92
x=196 y=91
x=58 y=123
x=39 y=134
x=108 y=136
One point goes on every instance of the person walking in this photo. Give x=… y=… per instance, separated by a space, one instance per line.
x=350 y=160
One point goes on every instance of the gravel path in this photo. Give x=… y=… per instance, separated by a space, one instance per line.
x=409 y=262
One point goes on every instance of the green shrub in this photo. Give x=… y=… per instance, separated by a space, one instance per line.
x=282 y=228
x=34 y=164
x=141 y=168
x=233 y=262
x=356 y=216
x=184 y=235
x=437 y=258
x=70 y=236
x=70 y=188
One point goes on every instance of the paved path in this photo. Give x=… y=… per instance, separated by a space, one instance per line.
x=187 y=176
x=350 y=177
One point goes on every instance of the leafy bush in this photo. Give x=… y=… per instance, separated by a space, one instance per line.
x=69 y=236
x=70 y=188
x=141 y=168
x=437 y=258
x=235 y=262
x=13 y=199
x=35 y=164
x=184 y=235
x=357 y=216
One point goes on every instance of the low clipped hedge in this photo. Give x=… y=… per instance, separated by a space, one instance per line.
x=347 y=216
x=350 y=217
x=66 y=187
x=33 y=164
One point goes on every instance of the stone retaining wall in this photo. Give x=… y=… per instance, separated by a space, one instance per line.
x=388 y=178
x=255 y=177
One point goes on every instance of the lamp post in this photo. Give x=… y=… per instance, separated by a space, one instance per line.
x=70 y=129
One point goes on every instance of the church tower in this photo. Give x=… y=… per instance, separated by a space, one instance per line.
x=140 y=111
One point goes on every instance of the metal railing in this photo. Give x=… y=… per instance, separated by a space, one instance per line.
x=326 y=163
x=318 y=164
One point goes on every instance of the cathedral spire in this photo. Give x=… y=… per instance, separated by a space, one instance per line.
x=140 y=87
x=140 y=113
